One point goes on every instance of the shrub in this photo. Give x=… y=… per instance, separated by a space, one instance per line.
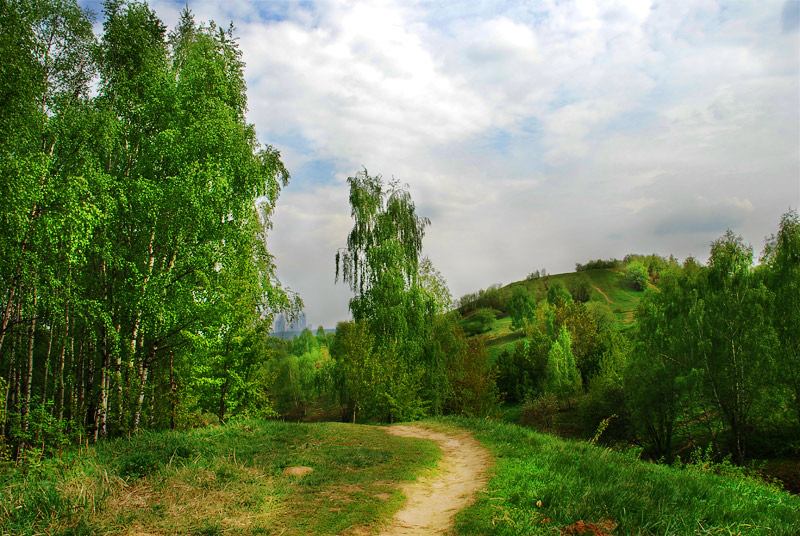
x=579 y=288
x=481 y=321
x=541 y=412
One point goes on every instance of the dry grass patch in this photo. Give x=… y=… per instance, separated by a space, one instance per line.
x=234 y=479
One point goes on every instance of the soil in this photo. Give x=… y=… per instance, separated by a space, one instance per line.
x=433 y=501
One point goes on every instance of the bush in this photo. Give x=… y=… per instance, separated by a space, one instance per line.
x=579 y=288
x=541 y=412
x=605 y=398
x=481 y=321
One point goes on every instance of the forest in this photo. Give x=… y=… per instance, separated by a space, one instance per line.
x=118 y=316
x=116 y=313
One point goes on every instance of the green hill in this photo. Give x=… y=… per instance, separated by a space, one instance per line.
x=607 y=286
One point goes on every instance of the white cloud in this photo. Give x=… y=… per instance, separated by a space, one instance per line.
x=535 y=135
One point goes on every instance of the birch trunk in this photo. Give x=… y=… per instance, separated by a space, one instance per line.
x=26 y=409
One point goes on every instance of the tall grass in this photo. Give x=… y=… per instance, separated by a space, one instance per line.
x=542 y=484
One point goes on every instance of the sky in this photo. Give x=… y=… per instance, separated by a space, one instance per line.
x=533 y=135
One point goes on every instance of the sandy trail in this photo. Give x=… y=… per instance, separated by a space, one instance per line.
x=603 y=294
x=433 y=502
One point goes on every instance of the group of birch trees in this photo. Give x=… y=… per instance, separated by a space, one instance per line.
x=134 y=202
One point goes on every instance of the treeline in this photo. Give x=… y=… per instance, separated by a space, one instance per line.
x=711 y=362
x=135 y=283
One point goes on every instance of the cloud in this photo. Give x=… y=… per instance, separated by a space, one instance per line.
x=532 y=134
x=790 y=16
x=703 y=216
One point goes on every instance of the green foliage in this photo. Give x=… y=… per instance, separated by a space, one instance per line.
x=782 y=260
x=737 y=342
x=494 y=297
x=598 y=264
x=636 y=275
x=521 y=371
x=358 y=371
x=134 y=222
x=521 y=307
x=603 y=317
x=579 y=288
x=562 y=377
x=540 y=412
x=472 y=382
x=297 y=383
x=481 y=321
x=393 y=297
x=606 y=394
x=583 y=335
x=558 y=295
x=434 y=284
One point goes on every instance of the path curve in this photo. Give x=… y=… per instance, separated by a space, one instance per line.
x=433 y=502
x=603 y=294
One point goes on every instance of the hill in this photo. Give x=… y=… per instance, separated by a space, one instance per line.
x=606 y=286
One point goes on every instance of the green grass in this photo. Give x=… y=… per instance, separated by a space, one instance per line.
x=218 y=480
x=615 y=291
x=501 y=337
x=541 y=483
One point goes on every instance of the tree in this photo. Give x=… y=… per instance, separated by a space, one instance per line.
x=358 y=371
x=482 y=320
x=584 y=337
x=521 y=307
x=636 y=275
x=662 y=376
x=381 y=263
x=579 y=288
x=434 y=284
x=134 y=247
x=561 y=373
x=557 y=294
x=735 y=338
x=782 y=258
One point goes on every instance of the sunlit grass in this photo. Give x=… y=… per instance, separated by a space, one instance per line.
x=218 y=480
x=541 y=484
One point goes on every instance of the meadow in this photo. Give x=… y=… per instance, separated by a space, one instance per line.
x=227 y=479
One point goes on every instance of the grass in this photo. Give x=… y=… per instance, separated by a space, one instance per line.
x=501 y=337
x=218 y=480
x=541 y=484
x=610 y=287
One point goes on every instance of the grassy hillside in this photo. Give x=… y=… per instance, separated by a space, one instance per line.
x=542 y=485
x=217 y=480
x=606 y=286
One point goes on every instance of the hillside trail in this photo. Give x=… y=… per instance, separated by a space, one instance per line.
x=432 y=502
x=603 y=294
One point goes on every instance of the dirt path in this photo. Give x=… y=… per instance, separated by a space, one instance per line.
x=432 y=502
x=603 y=293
